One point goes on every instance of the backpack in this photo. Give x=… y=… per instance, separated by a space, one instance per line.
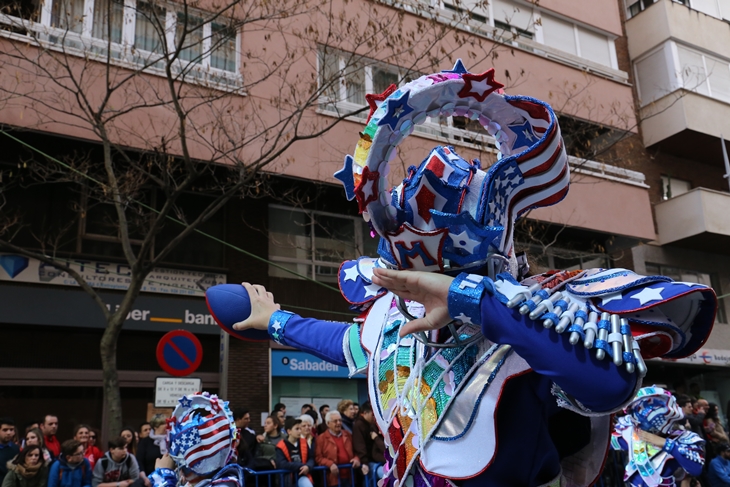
x=105 y=463
x=60 y=471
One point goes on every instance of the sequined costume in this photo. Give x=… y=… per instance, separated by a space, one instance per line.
x=517 y=390
x=655 y=410
x=203 y=439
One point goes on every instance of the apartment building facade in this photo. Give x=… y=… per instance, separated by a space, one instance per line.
x=680 y=67
x=572 y=54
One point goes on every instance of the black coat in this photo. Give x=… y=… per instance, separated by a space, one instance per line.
x=147 y=453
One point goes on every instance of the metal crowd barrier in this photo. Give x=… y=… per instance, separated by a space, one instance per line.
x=281 y=478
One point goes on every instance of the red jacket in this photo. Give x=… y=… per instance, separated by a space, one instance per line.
x=53 y=445
x=326 y=452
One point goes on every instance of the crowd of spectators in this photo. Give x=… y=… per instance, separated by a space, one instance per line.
x=328 y=438
x=346 y=434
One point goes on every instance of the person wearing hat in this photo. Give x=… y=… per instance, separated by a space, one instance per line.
x=460 y=347
x=718 y=473
x=659 y=451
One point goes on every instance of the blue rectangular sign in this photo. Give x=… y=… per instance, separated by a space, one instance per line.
x=291 y=363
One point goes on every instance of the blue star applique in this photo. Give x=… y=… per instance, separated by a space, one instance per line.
x=346 y=177
x=525 y=136
x=396 y=110
x=457 y=69
x=185 y=402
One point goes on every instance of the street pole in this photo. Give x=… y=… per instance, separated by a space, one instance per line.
x=223 y=366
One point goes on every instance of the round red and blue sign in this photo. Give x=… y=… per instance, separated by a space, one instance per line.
x=179 y=353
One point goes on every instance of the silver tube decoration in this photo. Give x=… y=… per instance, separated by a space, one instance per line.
x=615 y=340
x=627 y=339
x=579 y=321
x=567 y=318
x=591 y=329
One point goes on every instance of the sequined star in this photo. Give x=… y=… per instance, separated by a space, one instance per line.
x=462 y=241
x=346 y=177
x=397 y=109
x=479 y=86
x=374 y=100
x=367 y=191
x=185 y=402
x=351 y=273
x=458 y=68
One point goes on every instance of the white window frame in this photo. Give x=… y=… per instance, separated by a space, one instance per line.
x=312 y=263
x=84 y=44
x=444 y=131
x=674 y=70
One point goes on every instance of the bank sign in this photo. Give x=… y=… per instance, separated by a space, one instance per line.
x=705 y=356
x=286 y=363
x=106 y=275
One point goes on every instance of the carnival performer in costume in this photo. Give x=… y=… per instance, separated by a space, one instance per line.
x=503 y=383
x=660 y=452
x=203 y=439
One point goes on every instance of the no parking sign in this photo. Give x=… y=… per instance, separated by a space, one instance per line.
x=179 y=353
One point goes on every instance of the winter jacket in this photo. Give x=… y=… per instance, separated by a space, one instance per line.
x=107 y=470
x=15 y=479
x=326 y=452
x=8 y=451
x=64 y=475
x=362 y=443
x=284 y=460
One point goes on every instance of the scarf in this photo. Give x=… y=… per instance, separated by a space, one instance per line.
x=28 y=471
x=160 y=441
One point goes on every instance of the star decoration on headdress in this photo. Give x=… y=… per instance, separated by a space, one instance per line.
x=346 y=177
x=524 y=135
x=367 y=191
x=457 y=69
x=185 y=402
x=374 y=100
x=397 y=109
x=479 y=86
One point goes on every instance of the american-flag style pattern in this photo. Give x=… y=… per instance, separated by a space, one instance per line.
x=449 y=213
x=202 y=434
x=532 y=177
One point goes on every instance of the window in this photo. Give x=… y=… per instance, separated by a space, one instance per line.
x=685 y=275
x=344 y=81
x=635 y=7
x=673 y=66
x=514 y=18
x=672 y=187
x=314 y=244
x=585 y=139
x=559 y=34
x=137 y=30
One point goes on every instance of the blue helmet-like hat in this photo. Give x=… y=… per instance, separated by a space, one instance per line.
x=655 y=410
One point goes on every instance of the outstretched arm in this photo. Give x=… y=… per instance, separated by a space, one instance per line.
x=597 y=384
x=321 y=338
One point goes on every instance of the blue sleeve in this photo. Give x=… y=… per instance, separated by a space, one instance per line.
x=321 y=338
x=163 y=477
x=690 y=457
x=598 y=384
x=310 y=458
x=53 y=474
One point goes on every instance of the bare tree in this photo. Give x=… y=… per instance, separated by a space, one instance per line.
x=184 y=97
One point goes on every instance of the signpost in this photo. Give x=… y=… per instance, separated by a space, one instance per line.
x=179 y=353
x=169 y=389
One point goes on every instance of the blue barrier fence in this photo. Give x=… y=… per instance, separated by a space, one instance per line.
x=283 y=478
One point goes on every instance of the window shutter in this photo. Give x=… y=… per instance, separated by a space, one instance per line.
x=594 y=46
x=654 y=77
x=558 y=34
x=513 y=14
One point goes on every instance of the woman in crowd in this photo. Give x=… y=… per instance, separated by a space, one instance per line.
x=29 y=469
x=306 y=426
x=346 y=408
x=713 y=429
x=131 y=438
x=154 y=445
x=266 y=449
x=82 y=434
x=35 y=437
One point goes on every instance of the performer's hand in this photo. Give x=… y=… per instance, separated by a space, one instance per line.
x=428 y=288
x=655 y=440
x=262 y=307
x=165 y=462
